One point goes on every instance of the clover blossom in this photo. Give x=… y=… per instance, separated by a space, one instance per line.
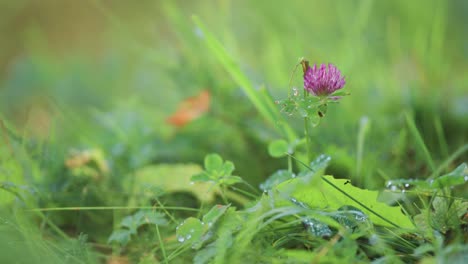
x=322 y=81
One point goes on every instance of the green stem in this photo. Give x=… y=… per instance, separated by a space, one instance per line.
x=306 y=134
x=161 y=243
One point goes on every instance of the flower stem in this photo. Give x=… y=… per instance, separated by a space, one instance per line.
x=306 y=134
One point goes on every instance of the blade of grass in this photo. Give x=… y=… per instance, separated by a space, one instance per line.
x=441 y=137
x=419 y=140
x=448 y=161
x=364 y=126
x=234 y=70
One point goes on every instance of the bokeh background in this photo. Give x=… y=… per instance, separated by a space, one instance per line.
x=108 y=74
x=97 y=83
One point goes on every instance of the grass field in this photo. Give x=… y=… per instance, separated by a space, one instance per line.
x=181 y=132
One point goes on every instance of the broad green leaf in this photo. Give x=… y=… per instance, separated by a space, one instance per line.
x=190 y=231
x=171 y=178
x=321 y=195
x=278 y=148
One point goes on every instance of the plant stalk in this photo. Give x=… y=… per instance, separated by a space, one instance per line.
x=306 y=134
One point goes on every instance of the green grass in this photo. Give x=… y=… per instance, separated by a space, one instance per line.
x=91 y=172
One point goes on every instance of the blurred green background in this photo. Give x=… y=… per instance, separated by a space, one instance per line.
x=107 y=75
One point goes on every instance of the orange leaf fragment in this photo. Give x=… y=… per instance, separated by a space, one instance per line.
x=190 y=109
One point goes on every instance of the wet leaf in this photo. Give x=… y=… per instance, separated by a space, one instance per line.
x=214 y=214
x=317 y=228
x=190 y=231
x=458 y=176
x=322 y=195
x=320 y=163
x=275 y=179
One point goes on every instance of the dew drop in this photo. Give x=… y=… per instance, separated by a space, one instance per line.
x=192 y=230
x=181 y=239
x=188 y=237
x=389 y=183
x=466 y=178
x=393 y=188
x=192 y=183
x=210 y=224
x=403 y=191
x=295 y=92
x=373 y=239
x=406 y=185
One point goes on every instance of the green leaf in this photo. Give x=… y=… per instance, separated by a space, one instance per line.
x=201 y=177
x=214 y=214
x=320 y=163
x=131 y=223
x=287 y=106
x=205 y=255
x=275 y=179
x=308 y=107
x=213 y=162
x=458 y=176
x=150 y=217
x=171 y=178
x=121 y=236
x=230 y=180
x=228 y=168
x=278 y=148
x=340 y=93
x=352 y=218
x=317 y=228
x=322 y=195
x=190 y=231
